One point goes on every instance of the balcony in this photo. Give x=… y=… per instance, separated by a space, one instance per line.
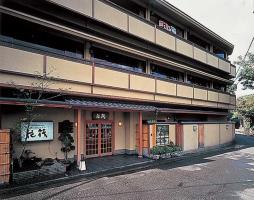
x=125 y=21
x=81 y=77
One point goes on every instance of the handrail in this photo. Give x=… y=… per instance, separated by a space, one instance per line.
x=13 y=43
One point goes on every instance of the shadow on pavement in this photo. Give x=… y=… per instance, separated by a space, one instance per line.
x=242 y=142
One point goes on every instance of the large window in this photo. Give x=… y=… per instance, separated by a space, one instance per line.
x=196 y=40
x=117 y=60
x=219 y=86
x=42 y=37
x=219 y=52
x=162 y=135
x=167 y=73
x=198 y=81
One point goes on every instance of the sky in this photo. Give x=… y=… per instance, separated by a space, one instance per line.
x=231 y=19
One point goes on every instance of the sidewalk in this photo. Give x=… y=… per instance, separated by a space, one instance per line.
x=117 y=170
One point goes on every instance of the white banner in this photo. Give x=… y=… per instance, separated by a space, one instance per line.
x=38 y=131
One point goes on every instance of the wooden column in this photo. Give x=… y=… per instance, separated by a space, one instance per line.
x=0 y=105
x=140 y=152
x=79 y=130
x=1 y=24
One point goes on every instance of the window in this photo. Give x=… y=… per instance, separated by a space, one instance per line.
x=219 y=52
x=198 y=81
x=219 y=86
x=167 y=73
x=42 y=37
x=113 y=59
x=196 y=40
x=162 y=135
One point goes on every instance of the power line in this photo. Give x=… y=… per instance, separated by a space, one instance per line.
x=244 y=58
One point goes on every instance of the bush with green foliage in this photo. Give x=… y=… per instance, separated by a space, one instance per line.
x=161 y=150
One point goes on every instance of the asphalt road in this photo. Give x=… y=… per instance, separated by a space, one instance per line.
x=225 y=176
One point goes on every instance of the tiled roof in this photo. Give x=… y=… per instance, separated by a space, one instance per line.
x=112 y=105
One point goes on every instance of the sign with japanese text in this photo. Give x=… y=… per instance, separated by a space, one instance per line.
x=100 y=115
x=38 y=131
x=167 y=27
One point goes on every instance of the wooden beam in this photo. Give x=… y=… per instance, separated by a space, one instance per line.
x=140 y=152
x=79 y=130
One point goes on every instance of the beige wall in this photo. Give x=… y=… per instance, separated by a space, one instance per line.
x=73 y=71
x=141 y=29
x=111 y=78
x=142 y=83
x=224 y=98
x=77 y=77
x=233 y=70
x=110 y=15
x=122 y=93
x=190 y=137
x=213 y=96
x=20 y=61
x=184 y=91
x=119 y=19
x=212 y=60
x=47 y=149
x=199 y=55
x=131 y=120
x=165 y=40
x=200 y=94
x=212 y=135
x=172 y=133
x=223 y=65
x=164 y=87
x=120 y=131
x=81 y=6
x=226 y=133
x=184 y=48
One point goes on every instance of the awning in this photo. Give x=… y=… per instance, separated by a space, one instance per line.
x=111 y=105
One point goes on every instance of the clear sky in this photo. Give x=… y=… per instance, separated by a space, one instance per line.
x=231 y=19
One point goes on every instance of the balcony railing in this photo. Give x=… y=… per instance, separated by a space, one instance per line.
x=97 y=79
x=131 y=23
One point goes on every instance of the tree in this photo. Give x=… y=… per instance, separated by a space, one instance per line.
x=245 y=108
x=246 y=75
x=65 y=130
x=32 y=97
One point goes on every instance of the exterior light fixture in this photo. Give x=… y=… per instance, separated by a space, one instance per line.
x=120 y=123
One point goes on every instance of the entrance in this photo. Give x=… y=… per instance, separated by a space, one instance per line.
x=98 y=139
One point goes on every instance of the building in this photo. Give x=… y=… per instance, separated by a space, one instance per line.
x=132 y=75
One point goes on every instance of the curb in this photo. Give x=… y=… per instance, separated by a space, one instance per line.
x=88 y=177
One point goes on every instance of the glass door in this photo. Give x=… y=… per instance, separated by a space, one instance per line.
x=92 y=139
x=98 y=140
x=106 y=138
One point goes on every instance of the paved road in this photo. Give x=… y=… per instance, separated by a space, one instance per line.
x=225 y=176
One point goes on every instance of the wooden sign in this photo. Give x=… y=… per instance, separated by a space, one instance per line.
x=100 y=115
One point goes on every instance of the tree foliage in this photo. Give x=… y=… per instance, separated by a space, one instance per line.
x=246 y=75
x=245 y=106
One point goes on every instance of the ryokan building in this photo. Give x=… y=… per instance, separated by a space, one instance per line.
x=126 y=70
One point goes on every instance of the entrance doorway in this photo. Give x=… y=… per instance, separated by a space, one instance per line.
x=98 y=140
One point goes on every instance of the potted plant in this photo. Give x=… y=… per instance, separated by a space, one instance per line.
x=67 y=140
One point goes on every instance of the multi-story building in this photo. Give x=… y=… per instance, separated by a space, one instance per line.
x=132 y=75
